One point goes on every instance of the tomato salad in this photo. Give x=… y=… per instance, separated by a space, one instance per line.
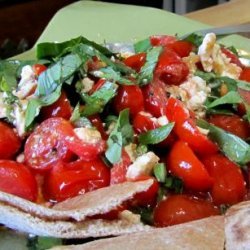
x=82 y=117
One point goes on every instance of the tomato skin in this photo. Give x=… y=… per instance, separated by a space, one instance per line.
x=183 y=163
x=38 y=69
x=97 y=122
x=245 y=74
x=143 y=122
x=136 y=61
x=17 y=179
x=61 y=108
x=233 y=58
x=119 y=169
x=170 y=68
x=229 y=185
x=161 y=40
x=182 y=48
x=67 y=180
x=10 y=143
x=129 y=96
x=177 y=209
x=97 y=85
x=232 y=123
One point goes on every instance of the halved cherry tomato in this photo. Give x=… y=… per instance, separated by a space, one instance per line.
x=177 y=209
x=143 y=122
x=67 y=180
x=9 y=142
x=170 y=68
x=182 y=48
x=61 y=108
x=97 y=122
x=119 y=169
x=17 y=179
x=38 y=69
x=136 y=61
x=245 y=74
x=183 y=163
x=233 y=58
x=155 y=98
x=161 y=40
x=232 y=123
x=229 y=185
x=129 y=96
x=186 y=129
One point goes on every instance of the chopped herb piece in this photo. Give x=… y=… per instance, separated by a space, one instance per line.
x=142 y=46
x=160 y=172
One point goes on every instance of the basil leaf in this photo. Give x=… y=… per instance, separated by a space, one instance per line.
x=156 y=135
x=121 y=135
x=78 y=120
x=141 y=149
x=42 y=243
x=207 y=76
x=160 y=172
x=147 y=70
x=231 y=97
x=142 y=46
x=96 y=102
x=174 y=183
x=194 y=38
x=51 y=50
x=231 y=145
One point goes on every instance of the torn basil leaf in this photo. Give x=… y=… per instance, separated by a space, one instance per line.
x=156 y=135
x=42 y=243
x=142 y=46
x=146 y=73
x=174 y=183
x=194 y=38
x=160 y=172
x=231 y=145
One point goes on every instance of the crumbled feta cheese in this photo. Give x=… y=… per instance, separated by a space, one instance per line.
x=89 y=135
x=162 y=121
x=20 y=158
x=191 y=62
x=3 y=106
x=203 y=131
x=19 y=117
x=131 y=151
x=87 y=84
x=129 y=217
x=143 y=165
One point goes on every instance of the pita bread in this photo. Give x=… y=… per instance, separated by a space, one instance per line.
x=79 y=208
x=205 y=234
x=237 y=226
x=24 y=222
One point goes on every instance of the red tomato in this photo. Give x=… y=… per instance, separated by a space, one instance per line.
x=129 y=96
x=183 y=163
x=9 y=142
x=161 y=40
x=97 y=122
x=186 y=129
x=229 y=185
x=71 y=179
x=232 y=123
x=136 y=61
x=38 y=69
x=97 y=86
x=177 y=209
x=245 y=74
x=170 y=68
x=119 y=169
x=17 y=179
x=245 y=94
x=143 y=122
x=155 y=98
x=61 y=108
x=233 y=58
x=182 y=48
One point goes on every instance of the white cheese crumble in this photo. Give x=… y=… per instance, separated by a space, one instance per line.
x=19 y=116
x=3 y=106
x=129 y=217
x=143 y=165
x=88 y=135
x=162 y=120
x=131 y=151
x=87 y=84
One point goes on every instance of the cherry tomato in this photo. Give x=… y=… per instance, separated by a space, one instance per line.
x=170 y=68
x=161 y=40
x=182 y=48
x=17 y=179
x=143 y=122
x=245 y=74
x=136 y=61
x=177 y=209
x=38 y=69
x=119 y=169
x=186 y=129
x=97 y=122
x=232 y=123
x=229 y=185
x=183 y=163
x=155 y=98
x=67 y=180
x=129 y=96
x=233 y=58
x=61 y=108
x=9 y=142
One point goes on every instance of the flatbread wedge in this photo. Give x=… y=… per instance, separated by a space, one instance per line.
x=205 y=234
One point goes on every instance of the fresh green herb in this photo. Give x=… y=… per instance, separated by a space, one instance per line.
x=146 y=73
x=142 y=46
x=78 y=120
x=157 y=135
x=96 y=102
x=146 y=214
x=160 y=172
x=206 y=76
x=42 y=243
x=174 y=183
x=233 y=50
x=141 y=149
x=194 y=38
x=223 y=208
x=231 y=145
x=121 y=136
x=109 y=120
